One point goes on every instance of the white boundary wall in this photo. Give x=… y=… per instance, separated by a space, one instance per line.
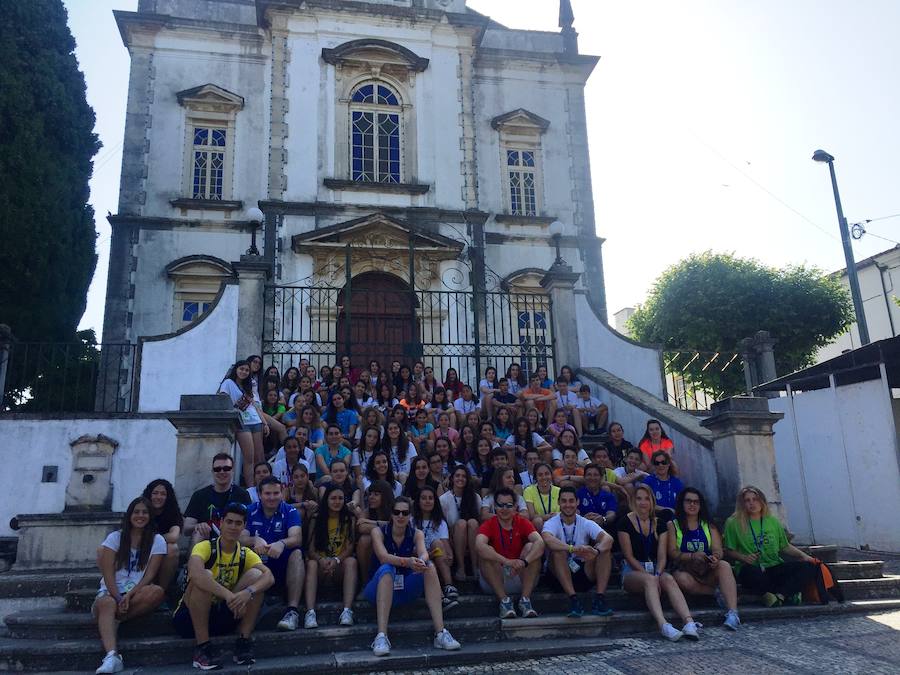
x=146 y=451
x=836 y=453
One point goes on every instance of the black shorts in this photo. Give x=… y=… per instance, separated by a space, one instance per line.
x=221 y=620
x=580 y=581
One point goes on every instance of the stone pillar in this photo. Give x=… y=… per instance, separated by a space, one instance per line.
x=763 y=343
x=253 y=272
x=744 y=450
x=206 y=426
x=559 y=282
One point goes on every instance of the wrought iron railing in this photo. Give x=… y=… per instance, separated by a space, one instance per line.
x=54 y=377
x=695 y=380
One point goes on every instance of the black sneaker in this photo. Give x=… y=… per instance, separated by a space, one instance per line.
x=243 y=652
x=205 y=659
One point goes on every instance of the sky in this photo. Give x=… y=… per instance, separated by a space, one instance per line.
x=702 y=118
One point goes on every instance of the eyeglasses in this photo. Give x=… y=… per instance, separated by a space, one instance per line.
x=662 y=463
x=222 y=469
x=504 y=505
x=401 y=514
x=691 y=501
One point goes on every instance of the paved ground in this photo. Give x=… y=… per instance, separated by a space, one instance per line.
x=851 y=644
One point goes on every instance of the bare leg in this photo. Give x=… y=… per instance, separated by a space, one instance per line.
x=251 y=611
x=349 y=571
x=245 y=442
x=676 y=597
x=602 y=568
x=383 y=600
x=577 y=423
x=259 y=452
x=105 y=609
x=143 y=601
x=560 y=562
x=364 y=554
x=530 y=576
x=648 y=584
x=312 y=583
x=443 y=569
x=727 y=584
x=433 y=598
x=294 y=578
x=169 y=567
x=492 y=573
x=602 y=416
x=460 y=540
x=472 y=527
x=198 y=603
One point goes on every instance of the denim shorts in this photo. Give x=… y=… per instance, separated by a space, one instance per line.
x=413 y=586
x=252 y=428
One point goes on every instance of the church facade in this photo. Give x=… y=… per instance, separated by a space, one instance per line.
x=414 y=151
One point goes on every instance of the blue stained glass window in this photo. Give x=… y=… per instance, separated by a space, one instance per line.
x=524 y=319
x=522 y=182
x=190 y=311
x=512 y=157
x=540 y=321
x=209 y=163
x=200 y=136
x=375 y=152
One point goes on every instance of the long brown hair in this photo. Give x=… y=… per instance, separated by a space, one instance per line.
x=123 y=555
x=740 y=515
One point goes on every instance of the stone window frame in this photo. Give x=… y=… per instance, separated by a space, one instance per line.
x=209 y=106
x=359 y=62
x=195 y=278
x=521 y=131
x=378 y=110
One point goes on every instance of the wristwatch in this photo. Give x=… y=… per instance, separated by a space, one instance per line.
x=250 y=590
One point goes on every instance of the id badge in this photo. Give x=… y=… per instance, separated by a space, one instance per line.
x=574 y=565
x=398 y=582
x=649 y=568
x=128 y=586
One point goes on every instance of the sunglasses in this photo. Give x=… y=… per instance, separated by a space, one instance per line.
x=691 y=501
x=663 y=463
x=237 y=506
x=222 y=469
x=401 y=514
x=504 y=505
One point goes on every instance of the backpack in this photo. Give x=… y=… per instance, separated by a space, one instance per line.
x=214 y=555
x=822 y=585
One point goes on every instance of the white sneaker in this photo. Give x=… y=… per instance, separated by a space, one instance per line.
x=381 y=646
x=309 y=621
x=732 y=620
x=444 y=640
x=112 y=663
x=346 y=617
x=671 y=633
x=690 y=630
x=290 y=620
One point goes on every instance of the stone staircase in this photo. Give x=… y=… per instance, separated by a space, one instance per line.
x=60 y=635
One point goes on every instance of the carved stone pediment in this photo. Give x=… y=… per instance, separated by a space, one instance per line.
x=378 y=243
x=211 y=98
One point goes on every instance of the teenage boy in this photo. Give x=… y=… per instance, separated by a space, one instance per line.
x=510 y=552
x=225 y=589
x=593 y=411
x=204 y=511
x=580 y=554
x=535 y=396
x=273 y=531
x=568 y=401
x=503 y=399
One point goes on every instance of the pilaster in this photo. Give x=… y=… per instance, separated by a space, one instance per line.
x=559 y=282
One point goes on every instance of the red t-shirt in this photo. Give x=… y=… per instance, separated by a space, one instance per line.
x=646 y=447
x=508 y=543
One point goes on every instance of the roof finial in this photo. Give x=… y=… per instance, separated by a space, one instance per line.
x=566 y=22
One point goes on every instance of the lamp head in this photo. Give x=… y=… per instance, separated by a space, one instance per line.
x=255 y=215
x=822 y=156
x=556 y=228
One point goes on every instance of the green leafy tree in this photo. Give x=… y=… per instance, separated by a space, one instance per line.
x=47 y=256
x=710 y=301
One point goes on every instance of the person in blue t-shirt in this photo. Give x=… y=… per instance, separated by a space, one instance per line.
x=273 y=530
x=664 y=483
x=341 y=413
x=595 y=503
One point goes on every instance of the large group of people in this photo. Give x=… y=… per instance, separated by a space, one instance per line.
x=399 y=486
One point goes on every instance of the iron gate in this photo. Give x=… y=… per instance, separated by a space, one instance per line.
x=465 y=330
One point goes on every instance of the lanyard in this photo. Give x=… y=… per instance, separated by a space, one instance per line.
x=756 y=541
x=503 y=543
x=221 y=570
x=570 y=540
x=647 y=539
x=546 y=507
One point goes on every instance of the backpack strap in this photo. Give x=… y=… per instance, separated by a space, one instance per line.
x=213 y=553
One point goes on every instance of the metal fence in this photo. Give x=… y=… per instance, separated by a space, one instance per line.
x=464 y=330
x=52 y=377
x=695 y=380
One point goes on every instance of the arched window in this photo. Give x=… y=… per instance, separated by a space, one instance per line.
x=375 y=131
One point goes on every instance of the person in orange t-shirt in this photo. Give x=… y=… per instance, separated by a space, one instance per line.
x=535 y=396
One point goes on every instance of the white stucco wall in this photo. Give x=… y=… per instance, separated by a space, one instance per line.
x=837 y=460
x=600 y=346
x=193 y=362
x=146 y=451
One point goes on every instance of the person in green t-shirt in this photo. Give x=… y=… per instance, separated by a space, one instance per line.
x=755 y=542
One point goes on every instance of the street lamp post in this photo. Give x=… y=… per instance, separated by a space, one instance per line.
x=256 y=218
x=822 y=156
x=556 y=230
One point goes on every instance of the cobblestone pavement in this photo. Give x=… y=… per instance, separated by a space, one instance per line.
x=848 y=644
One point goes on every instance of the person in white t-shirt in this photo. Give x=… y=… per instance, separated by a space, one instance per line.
x=289 y=456
x=466 y=403
x=532 y=459
x=568 y=401
x=593 y=411
x=580 y=554
x=126 y=588
x=238 y=386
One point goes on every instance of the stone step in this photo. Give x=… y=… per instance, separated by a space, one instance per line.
x=347 y=649
x=847 y=570
x=76 y=625
x=826 y=553
x=46 y=583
